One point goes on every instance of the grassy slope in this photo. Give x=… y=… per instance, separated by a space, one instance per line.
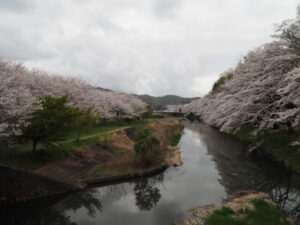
x=125 y=162
x=261 y=214
x=275 y=143
x=21 y=156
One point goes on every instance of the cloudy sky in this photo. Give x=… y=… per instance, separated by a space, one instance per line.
x=138 y=46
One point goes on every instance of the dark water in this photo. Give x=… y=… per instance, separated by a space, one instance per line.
x=215 y=165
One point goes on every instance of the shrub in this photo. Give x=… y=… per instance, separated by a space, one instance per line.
x=175 y=139
x=147 y=147
x=193 y=117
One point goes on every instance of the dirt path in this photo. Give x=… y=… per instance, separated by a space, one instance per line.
x=98 y=134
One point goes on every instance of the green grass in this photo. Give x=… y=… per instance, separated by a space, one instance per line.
x=21 y=156
x=175 y=139
x=262 y=214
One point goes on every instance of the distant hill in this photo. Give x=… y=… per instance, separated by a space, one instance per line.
x=159 y=103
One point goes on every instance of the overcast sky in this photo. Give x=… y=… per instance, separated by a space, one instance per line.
x=156 y=47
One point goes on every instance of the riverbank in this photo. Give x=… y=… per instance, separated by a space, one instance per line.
x=102 y=157
x=20 y=155
x=112 y=154
x=123 y=159
x=248 y=209
x=281 y=146
x=20 y=186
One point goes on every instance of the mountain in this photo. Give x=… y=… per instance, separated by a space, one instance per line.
x=159 y=103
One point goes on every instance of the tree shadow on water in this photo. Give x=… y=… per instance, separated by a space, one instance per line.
x=147 y=194
x=49 y=213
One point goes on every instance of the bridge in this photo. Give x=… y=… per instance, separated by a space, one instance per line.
x=175 y=114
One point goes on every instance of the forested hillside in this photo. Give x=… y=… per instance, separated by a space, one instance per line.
x=261 y=95
x=20 y=88
x=159 y=103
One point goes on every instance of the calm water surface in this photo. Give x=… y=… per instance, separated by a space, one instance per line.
x=215 y=165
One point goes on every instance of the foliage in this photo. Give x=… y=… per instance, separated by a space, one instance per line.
x=221 y=81
x=158 y=116
x=148 y=111
x=192 y=117
x=147 y=147
x=244 y=132
x=103 y=142
x=21 y=87
x=261 y=102
x=147 y=195
x=175 y=139
x=20 y=156
x=263 y=213
x=264 y=91
x=289 y=33
x=86 y=119
x=50 y=121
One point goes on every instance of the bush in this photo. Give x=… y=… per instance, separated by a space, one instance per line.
x=147 y=147
x=193 y=117
x=175 y=139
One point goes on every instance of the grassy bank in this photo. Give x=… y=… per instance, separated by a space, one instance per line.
x=248 y=209
x=21 y=156
x=276 y=143
x=124 y=159
x=259 y=212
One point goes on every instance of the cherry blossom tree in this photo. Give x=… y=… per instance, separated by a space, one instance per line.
x=263 y=90
x=21 y=87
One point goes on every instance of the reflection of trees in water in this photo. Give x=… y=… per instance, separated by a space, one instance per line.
x=146 y=191
x=116 y=191
x=53 y=217
x=37 y=215
x=288 y=198
x=238 y=172
x=85 y=199
x=147 y=194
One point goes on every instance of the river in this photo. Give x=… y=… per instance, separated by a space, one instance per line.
x=215 y=165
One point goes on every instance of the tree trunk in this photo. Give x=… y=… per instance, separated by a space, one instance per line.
x=34 y=146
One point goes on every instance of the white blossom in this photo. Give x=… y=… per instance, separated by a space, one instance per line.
x=21 y=87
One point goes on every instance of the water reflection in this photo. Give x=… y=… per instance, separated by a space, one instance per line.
x=215 y=166
x=38 y=213
x=240 y=172
x=86 y=199
x=146 y=192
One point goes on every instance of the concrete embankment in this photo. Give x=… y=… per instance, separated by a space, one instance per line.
x=19 y=186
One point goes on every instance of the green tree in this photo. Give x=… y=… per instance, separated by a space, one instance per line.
x=50 y=121
x=147 y=147
x=148 y=111
x=289 y=33
x=86 y=119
